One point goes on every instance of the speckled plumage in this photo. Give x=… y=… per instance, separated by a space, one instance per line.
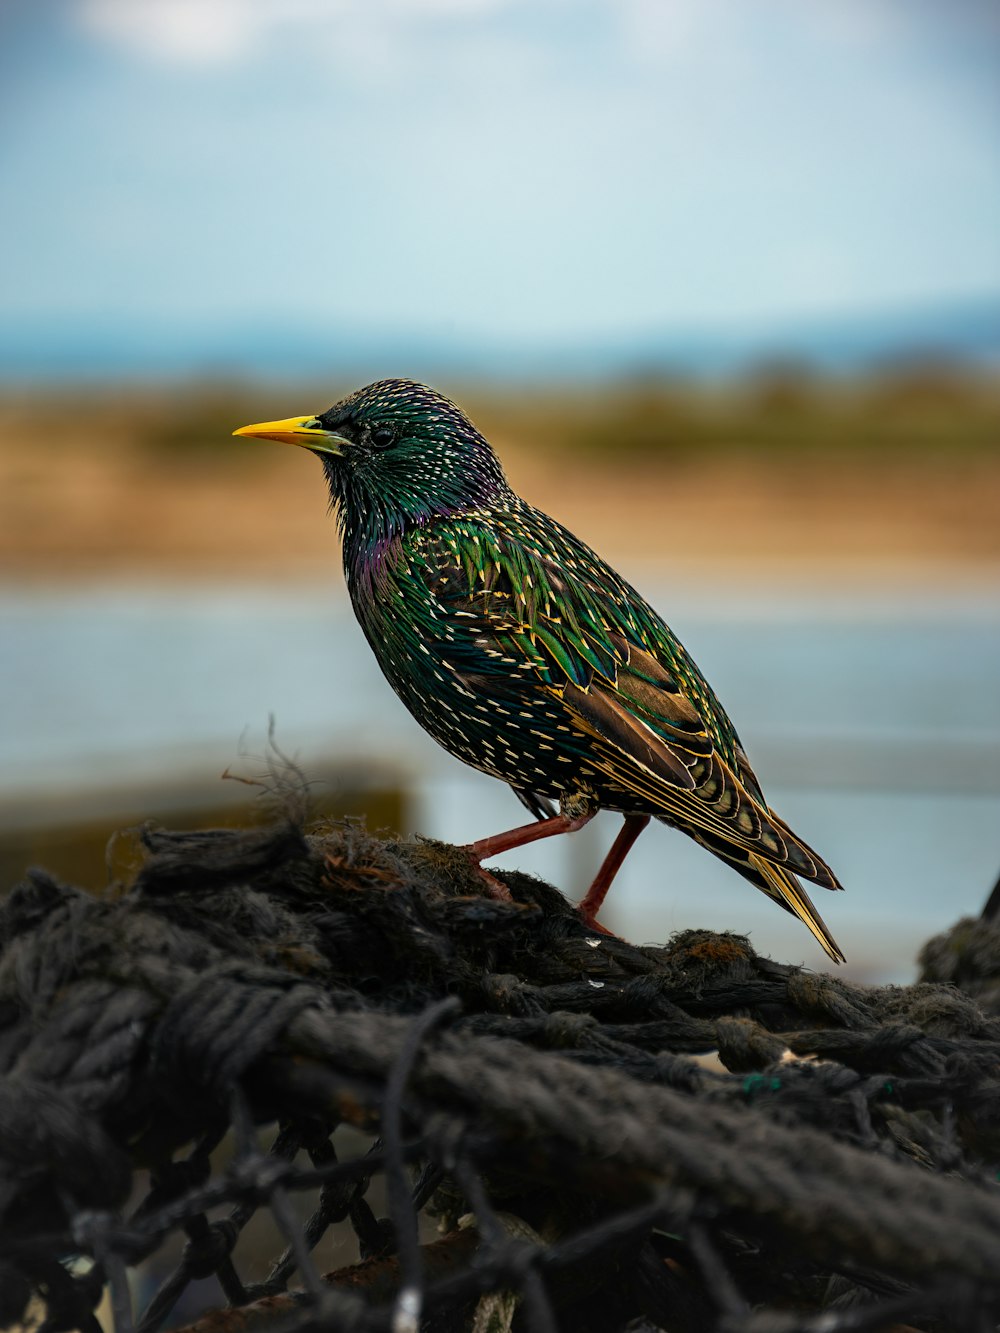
x=524 y=654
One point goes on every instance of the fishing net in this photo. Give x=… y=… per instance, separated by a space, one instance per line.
x=294 y=1080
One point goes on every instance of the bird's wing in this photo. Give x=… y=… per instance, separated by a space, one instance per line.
x=652 y=725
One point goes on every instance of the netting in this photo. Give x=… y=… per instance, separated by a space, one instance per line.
x=542 y=1150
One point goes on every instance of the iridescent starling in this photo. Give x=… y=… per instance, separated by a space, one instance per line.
x=528 y=657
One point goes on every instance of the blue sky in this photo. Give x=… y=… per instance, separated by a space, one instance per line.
x=558 y=169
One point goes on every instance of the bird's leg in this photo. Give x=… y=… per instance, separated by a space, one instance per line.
x=520 y=837
x=620 y=848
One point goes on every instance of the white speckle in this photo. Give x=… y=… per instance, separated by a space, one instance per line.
x=406 y=1316
x=597 y=985
x=594 y=943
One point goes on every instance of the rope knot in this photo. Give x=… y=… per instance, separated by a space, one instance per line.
x=202 y=1255
x=890 y=1044
x=226 y=1020
x=744 y=1044
x=563 y=1029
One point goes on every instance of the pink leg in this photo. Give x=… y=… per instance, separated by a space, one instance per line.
x=620 y=848
x=520 y=837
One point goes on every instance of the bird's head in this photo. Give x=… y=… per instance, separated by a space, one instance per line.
x=396 y=453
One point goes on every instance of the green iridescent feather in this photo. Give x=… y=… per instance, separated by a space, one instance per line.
x=502 y=603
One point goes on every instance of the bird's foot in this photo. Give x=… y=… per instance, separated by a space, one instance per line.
x=518 y=837
x=593 y=924
x=493 y=887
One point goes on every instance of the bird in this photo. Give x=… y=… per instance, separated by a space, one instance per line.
x=527 y=656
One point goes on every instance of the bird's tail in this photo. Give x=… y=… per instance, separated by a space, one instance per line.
x=785 y=889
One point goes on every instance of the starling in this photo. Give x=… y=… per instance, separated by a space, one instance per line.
x=525 y=655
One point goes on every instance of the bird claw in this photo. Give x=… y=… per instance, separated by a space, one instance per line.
x=494 y=888
x=592 y=923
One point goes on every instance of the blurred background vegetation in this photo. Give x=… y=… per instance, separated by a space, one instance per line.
x=898 y=465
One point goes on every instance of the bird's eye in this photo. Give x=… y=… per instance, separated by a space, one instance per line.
x=383 y=436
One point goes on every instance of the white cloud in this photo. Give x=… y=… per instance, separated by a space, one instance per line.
x=197 y=31
x=212 y=32
x=665 y=34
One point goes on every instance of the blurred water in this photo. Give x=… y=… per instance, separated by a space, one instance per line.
x=873 y=722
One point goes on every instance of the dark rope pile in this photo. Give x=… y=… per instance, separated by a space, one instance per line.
x=527 y=1088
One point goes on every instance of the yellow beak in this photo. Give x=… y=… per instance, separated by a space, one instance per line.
x=306 y=431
